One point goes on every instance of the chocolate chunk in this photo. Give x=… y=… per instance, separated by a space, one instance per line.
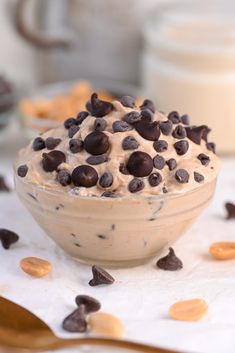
x=174 y=117
x=96 y=143
x=132 y=117
x=179 y=132
x=52 y=142
x=130 y=143
x=140 y=164
x=70 y=122
x=100 y=276
x=128 y=101
x=135 y=185
x=64 y=177
x=76 y=145
x=98 y=107
x=171 y=163
x=38 y=144
x=51 y=160
x=22 y=170
x=204 y=159
x=170 y=262
x=160 y=145
x=3 y=185
x=81 y=117
x=109 y=194
x=182 y=176
x=166 y=127
x=211 y=146
x=148 y=130
x=121 y=126
x=76 y=322
x=181 y=147
x=100 y=124
x=205 y=133
x=159 y=162
x=230 y=208
x=196 y=133
x=198 y=177
x=95 y=160
x=84 y=175
x=155 y=179
x=73 y=130
x=185 y=119
x=148 y=104
x=106 y=180
x=91 y=304
x=7 y=238
x=147 y=114
x=123 y=169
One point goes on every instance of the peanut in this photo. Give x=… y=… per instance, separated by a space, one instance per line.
x=223 y=250
x=188 y=310
x=35 y=267
x=107 y=325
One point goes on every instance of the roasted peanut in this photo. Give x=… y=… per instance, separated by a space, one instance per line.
x=188 y=310
x=35 y=267
x=107 y=325
x=223 y=250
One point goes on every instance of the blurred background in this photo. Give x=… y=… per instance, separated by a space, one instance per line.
x=54 y=53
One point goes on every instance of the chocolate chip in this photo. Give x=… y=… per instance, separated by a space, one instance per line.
x=204 y=159
x=182 y=176
x=91 y=304
x=140 y=164
x=148 y=104
x=174 y=117
x=179 y=132
x=211 y=146
x=81 y=117
x=97 y=107
x=155 y=179
x=121 y=126
x=164 y=190
x=52 y=142
x=147 y=129
x=3 y=185
x=38 y=144
x=147 y=114
x=159 y=162
x=196 y=133
x=170 y=262
x=135 y=185
x=95 y=160
x=185 y=119
x=76 y=322
x=181 y=147
x=109 y=194
x=171 y=163
x=166 y=127
x=76 y=145
x=230 y=208
x=128 y=101
x=96 y=143
x=7 y=238
x=198 y=177
x=51 y=160
x=64 y=177
x=160 y=145
x=106 y=180
x=123 y=169
x=22 y=170
x=206 y=131
x=100 y=124
x=84 y=175
x=132 y=117
x=73 y=130
x=100 y=276
x=70 y=122
x=130 y=143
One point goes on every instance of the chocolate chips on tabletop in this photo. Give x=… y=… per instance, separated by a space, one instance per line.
x=84 y=175
x=96 y=143
x=170 y=262
x=100 y=276
x=230 y=208
x=7 y=238
x=76 y=322
x=3 y=185
x=140 y=164
x=51 y=160
x=22 y=170
x=91 y=304
x=98 y=107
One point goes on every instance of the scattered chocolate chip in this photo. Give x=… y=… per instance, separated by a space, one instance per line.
x=91 y=304
x=81 y=117
x=179 y=132
x=196 y=133
x=52 y=142
x=128 y=101
x=84 y=175
x=181 y=147
x=101 y=236
x=132 y=117
x=96 y=143
x=70 y=122
x=95 y=160
x=7 y=238
x=204 y=159
x=100 y=124
x=38 y=144
x=76 y=322
x=109 y=194
x=73 y=130
x=182 y=176
x=100 y=276
x=51 y=160
x=164 y=190
x=121 y=126
x=148 y=104
x=22 y=170
x=97 y=107
x=211 y=146
x=166 y=127
x=77 y=245
x=106 y=180
x=198 y=177
x=147 y=129
x=171 y=163
x=135 y=185
x=130 y=143
x=140 y=164
x=170 y=262
x=123 y=169
x=64 y=177
x=155 y=179
x=174 y=117
x=230 y=208
x=159 y=162
x=75 y=145
x=147 y=114
x=160 y=145
x=185 y=119
x=3 y=185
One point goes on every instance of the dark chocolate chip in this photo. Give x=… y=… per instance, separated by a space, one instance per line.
x=171 y=163
x=22 y=170
x=130 y=143
x=96 y=143
x=76 y=322
x=140 y=164
x=148 y=104
x=179 y=132
x=91 y=304
x=182 y=176
x=70 y=122
x=135 y=185
x=100 y=276
x=181 y=147
x=132 y=117
x=198 y=177
x=128 y=101
x=123 y=169
x=121 y=126
x=84 y=175
x=38 y=144
x=185 y=119
x=3 y=185
x=155 y=179
x=196 y=133
x=52 y=142
x=97 y=107
x=7 y=238
x=204 y=159
x=109 y=194
x=75 y=145
x=147 y=114
x=64 y=177
x=159 y=162
x=174 y=117
x=164 y=190
x=106 y=180
x=51 y=160
x=206 y=131
x=211 y=146
x=170 y=262
x=81 y=117
x=160 y=145
x=73 y=130
x=101 y=236
x=230 y=208
x=95 y=160
x=166 y=127
x=100 y=124
x=147 y=129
